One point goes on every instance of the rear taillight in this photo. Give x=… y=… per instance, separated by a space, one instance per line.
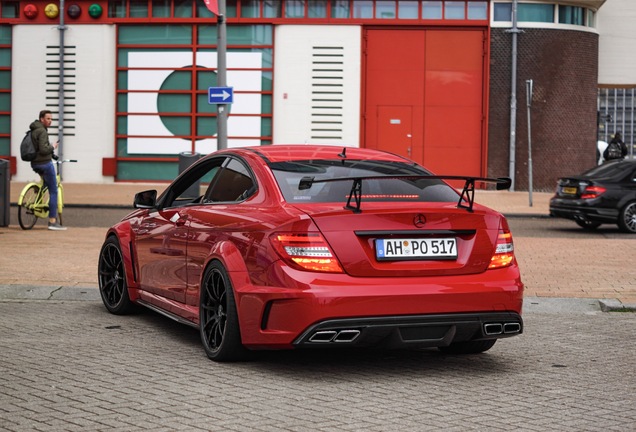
x=504 y=252
x=592 y=192
x=307 y=251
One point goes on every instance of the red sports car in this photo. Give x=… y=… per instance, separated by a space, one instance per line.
x=280 y=247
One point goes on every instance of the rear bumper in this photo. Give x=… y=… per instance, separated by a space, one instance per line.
x=580 y=210
x=421 y=331
x=392 y=312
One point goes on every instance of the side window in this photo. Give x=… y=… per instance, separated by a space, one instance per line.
x=189 y=188
x=231 y=183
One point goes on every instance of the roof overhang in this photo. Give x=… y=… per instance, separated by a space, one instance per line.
x=592 y=4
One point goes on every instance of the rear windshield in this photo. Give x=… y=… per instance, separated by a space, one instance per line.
x=289 y=174
x=608 y=170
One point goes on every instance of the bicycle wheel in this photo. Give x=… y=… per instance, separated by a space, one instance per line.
x=26 y=215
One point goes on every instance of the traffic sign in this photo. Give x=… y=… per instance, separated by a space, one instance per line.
x=220 y=95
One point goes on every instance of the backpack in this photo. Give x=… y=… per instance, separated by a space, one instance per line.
x=613 y=151
x=28 y=152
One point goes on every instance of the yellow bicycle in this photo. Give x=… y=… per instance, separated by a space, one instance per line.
x=34 y=200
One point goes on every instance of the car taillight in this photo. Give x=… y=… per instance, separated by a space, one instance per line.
x=592 y=192
x=504 y=252
x=307 y=251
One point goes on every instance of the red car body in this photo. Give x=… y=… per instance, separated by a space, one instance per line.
x=303 y=273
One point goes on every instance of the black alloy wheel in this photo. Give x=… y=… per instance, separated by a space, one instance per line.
x=112 y=278
x=218 y=325
x=26 y=216
x=627 y=218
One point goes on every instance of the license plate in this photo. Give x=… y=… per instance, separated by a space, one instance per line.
x=570 y=190
x=409 y=249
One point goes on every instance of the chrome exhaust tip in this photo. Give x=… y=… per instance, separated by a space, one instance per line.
x=334 y=336
x=512 y=328
x=347 y=336
x=323 y=336
x=493 y=329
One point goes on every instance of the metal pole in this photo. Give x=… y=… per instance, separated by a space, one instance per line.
x=513 y=96
x=60 y=114
x=221 y=77
x=529 y=104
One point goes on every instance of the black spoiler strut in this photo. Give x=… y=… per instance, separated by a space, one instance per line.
x=467 y=194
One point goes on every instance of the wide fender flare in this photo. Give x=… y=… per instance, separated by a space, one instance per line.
x=228 y=254
x=124 y=238
x=232 y=260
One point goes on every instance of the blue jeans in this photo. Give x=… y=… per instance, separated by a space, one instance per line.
x=47 y=171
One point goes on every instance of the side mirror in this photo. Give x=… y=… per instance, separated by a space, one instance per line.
x=145 y=200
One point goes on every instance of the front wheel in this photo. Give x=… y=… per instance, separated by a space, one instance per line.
x=218 y=318
x=627 y=218
x=111 y=277
x=470 y=347
x=26 y=211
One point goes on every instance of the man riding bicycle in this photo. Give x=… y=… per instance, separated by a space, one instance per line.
x=43 y=163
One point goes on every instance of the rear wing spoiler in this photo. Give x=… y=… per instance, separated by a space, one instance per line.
x=467 y=194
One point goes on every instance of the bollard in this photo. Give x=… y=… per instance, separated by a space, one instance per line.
x=5 y=173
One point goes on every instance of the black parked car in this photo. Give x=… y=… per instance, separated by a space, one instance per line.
x=604 y=194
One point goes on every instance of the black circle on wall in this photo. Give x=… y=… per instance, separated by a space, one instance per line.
x=74 y=11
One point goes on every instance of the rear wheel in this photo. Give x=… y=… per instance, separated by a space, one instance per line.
x=588 y=225
x=471 y=347
x=111 y=277
x=219 y=327
x=26 y=215
x=627 y=218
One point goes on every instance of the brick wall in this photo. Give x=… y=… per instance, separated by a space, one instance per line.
x=564 y=67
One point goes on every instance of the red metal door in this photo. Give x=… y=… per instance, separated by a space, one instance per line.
x=439 y=76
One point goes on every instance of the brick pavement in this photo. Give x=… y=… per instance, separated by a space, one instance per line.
x=549 y=268
x=71 y=366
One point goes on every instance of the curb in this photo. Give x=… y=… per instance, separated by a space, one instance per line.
x=614 y=305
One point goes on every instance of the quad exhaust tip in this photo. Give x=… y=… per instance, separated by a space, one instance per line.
x=335 y=336
x=502 y=328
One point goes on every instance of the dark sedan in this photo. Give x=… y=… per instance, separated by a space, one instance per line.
x=605 y=194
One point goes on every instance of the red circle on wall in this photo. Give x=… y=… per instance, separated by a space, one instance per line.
x=30 y=11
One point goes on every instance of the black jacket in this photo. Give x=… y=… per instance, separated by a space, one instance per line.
x=40 y=137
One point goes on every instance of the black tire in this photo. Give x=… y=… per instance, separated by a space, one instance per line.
x=471 y=347
x=111 y=276
x=26 y=217
x=627 y=218
x=218 y=319
x=588 y=225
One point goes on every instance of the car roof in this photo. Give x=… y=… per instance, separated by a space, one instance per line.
x=284 y=152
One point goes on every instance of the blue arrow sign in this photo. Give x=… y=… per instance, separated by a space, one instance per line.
x=220 y=95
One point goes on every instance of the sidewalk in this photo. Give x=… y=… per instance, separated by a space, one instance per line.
x=555 y=267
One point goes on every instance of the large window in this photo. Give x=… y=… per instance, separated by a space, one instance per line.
x=326 y=10
x=617 y=113
x=544 y=13
x=571 y=15
x=536 y=12
x=164 y=73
